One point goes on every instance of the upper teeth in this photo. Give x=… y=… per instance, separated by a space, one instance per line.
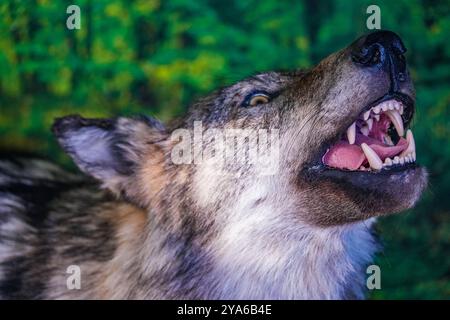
x=396 y=119
x=393 y=109
x=351 y=133
x=387 y=105
x=366 y=115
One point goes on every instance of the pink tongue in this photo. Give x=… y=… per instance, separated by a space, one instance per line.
x=346 y=156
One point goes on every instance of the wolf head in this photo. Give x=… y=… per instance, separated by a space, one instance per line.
x=335 y=136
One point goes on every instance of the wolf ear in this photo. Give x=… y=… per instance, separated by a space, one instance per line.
x=107 y=149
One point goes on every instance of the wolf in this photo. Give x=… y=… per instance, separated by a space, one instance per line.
x=138 y=225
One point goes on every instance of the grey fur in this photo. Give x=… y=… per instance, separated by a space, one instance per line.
x=150 y=229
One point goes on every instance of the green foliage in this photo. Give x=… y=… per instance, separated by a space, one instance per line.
x=153 y=56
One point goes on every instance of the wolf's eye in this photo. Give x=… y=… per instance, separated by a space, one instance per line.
x=257 y=98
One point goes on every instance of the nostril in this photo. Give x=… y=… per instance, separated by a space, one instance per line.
x=376 y=57
x=377 y=48
x=368 y=56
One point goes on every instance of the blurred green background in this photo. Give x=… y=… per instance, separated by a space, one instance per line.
x=155 y=57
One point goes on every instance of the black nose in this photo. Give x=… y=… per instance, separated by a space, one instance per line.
x=383 y=49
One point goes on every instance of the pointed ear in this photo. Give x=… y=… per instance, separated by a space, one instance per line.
x=107 y=149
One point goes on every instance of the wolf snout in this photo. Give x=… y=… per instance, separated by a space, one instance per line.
x=384 y=50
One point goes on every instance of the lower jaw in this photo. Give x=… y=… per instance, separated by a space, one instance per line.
x=393 y=169
x=384 y=181
x=365 y=194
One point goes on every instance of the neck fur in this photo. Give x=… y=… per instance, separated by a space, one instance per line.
x=258 y=251
x=245 y=262
x=313 y=263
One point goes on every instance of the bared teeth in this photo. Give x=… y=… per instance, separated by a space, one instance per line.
x=376 y=109
x=388 y=162
x=373 y=159
x=387 y=140
x=364 y=130
x=411 y=150
x=396 y=119
x=351 y=133
x=369 y=124
x=393 y=110
x=366 y=115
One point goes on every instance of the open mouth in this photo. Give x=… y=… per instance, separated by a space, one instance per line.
x=377 y=140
